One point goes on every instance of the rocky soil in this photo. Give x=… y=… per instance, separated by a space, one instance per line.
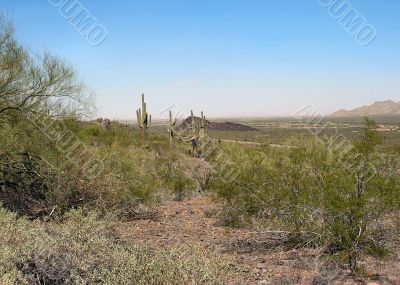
x=260 y=257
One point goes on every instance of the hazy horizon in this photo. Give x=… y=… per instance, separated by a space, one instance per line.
x=253 y=59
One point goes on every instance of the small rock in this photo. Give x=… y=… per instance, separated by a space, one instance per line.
x=260 y=265
x=318 y=280
x=105 y=123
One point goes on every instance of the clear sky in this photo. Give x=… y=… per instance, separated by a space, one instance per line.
x=226 y=57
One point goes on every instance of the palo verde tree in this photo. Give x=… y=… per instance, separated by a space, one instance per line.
x=364 y=195
x=37 y=85
x=33 y=88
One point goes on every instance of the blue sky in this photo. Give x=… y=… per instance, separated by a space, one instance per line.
x=228 y=58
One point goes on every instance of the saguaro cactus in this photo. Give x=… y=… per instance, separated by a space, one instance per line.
x=198 y=129
x=194 y=125
x=170 y=130
x=195 y=138
x=203 y=126
x=144 y=120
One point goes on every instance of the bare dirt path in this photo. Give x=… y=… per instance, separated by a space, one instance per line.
x=256 y=143
x=260 y=257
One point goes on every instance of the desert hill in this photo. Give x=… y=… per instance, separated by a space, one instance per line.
x=220 y=126
x=388 y=107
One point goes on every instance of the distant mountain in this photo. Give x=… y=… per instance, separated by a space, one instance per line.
x=220 y=126
x=388 y=107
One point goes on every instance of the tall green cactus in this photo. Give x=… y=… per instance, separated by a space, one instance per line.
x=170 y=130
x=144 y=120
x=198 y=132
x=195 y=138
x=194 y=125
x=203 y=126
x=198 y=129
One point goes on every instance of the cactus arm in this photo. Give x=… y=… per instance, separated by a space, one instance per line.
x=143 y=106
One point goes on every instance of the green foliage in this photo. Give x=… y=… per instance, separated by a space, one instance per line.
x=204 y=175
x=82 y=250
x=129 y=175
x=323 y=196
x=181 y=184
x=36 y=85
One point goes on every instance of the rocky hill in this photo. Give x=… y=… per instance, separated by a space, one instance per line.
x=388 y=107
x=221 y=126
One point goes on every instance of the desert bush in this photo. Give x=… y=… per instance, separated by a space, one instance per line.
x=128 y=175
x=23 y=186
x=37 y=94
x=92 y=134
x=204 y=175
x=254 y=188
x=42 y=102
x=322 y=196
x=182 y=185
x=81 y=249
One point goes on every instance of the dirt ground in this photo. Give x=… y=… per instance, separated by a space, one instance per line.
x=261 y=257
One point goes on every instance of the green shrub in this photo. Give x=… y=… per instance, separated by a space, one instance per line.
x=80 y=249
x=204 y=175
x=182 y=185
x=129 y=175
x=322 y=196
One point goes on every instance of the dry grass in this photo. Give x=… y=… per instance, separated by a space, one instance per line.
x=82 y=250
